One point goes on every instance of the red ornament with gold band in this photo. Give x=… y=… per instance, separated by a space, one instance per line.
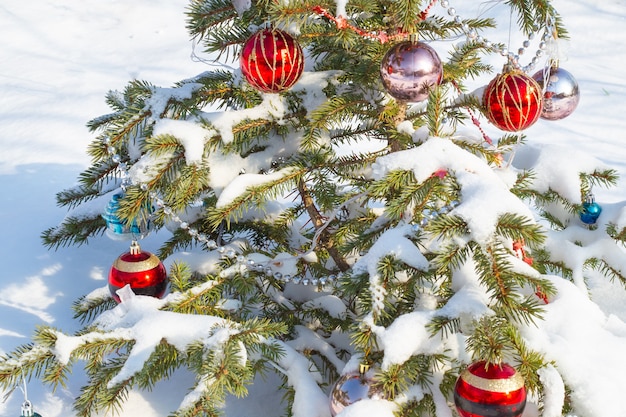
x=141 y=270
x=486 y=390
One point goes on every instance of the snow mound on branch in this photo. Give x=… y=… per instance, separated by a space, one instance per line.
x=587 y=347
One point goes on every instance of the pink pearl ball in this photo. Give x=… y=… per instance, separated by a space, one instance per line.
x=409 y=70
x=561 y=95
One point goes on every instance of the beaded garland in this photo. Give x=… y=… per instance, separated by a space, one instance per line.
x=471 y=34
x=341 y=22
x=513 y=58
x=269 y=268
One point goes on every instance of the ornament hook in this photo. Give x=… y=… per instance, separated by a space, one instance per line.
x=27 y=406
x=135 y=249
x=27 y=409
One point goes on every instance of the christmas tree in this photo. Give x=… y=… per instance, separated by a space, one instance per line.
x=339 y=218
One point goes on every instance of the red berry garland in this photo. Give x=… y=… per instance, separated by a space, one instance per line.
x=490 y=390
x=143 y=271
x=272 y=61
x=513 y=101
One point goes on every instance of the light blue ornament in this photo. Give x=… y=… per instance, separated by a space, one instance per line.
x=117 y=229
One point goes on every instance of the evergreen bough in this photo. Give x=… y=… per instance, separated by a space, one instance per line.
x=344 y=210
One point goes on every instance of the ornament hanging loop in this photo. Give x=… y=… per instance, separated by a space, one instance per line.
x=590 y=211
x=363 y=368
x=27 y=409
x=27 y=406
x=134 y=249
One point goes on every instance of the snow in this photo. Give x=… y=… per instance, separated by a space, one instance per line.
x=60 y=59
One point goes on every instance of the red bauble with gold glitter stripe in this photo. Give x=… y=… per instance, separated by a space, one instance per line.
x=272 y=61
x=487 y=390
x=142 y=270
x=513 y=101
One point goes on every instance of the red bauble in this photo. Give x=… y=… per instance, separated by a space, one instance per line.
x=513 y=101
x=410 y=70
x=143 y=271
x=490 y=390
x=271 y=60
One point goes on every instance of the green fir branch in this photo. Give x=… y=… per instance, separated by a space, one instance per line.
x=516 y=227
x=604 y=178
x=335 y=111
x=618 y=235
x=74 y=231
x=88 y=308
x=532 y=13
x=451 y=257
x=253 y=197
x=606 y=269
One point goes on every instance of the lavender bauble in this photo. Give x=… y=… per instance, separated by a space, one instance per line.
x=561 y=94
x=409 y=71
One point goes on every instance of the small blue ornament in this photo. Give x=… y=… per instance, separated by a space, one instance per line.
x=117 y=229
x=590 y=211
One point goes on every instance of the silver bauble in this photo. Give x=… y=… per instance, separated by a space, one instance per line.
x=409 y=70
x=353 y=387
x=561 y=94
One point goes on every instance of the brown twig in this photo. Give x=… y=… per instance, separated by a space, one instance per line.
x=326 y=238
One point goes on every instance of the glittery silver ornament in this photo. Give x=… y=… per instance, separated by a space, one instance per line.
x=353 y=387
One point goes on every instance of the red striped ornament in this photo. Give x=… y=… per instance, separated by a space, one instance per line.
x=490 y=391
x=271 y=61
x=513 y=101
x=142 y=270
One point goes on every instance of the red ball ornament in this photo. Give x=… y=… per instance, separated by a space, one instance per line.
x=142 y=270
x=410 y=69
x=513 y=101
x=271 y=60
x=490 y=390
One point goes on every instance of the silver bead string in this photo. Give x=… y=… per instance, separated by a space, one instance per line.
x=250 y=264
x=513 y=58
x=225 y=251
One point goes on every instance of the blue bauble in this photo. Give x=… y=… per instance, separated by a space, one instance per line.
x=590 y=212
x=117 y=229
